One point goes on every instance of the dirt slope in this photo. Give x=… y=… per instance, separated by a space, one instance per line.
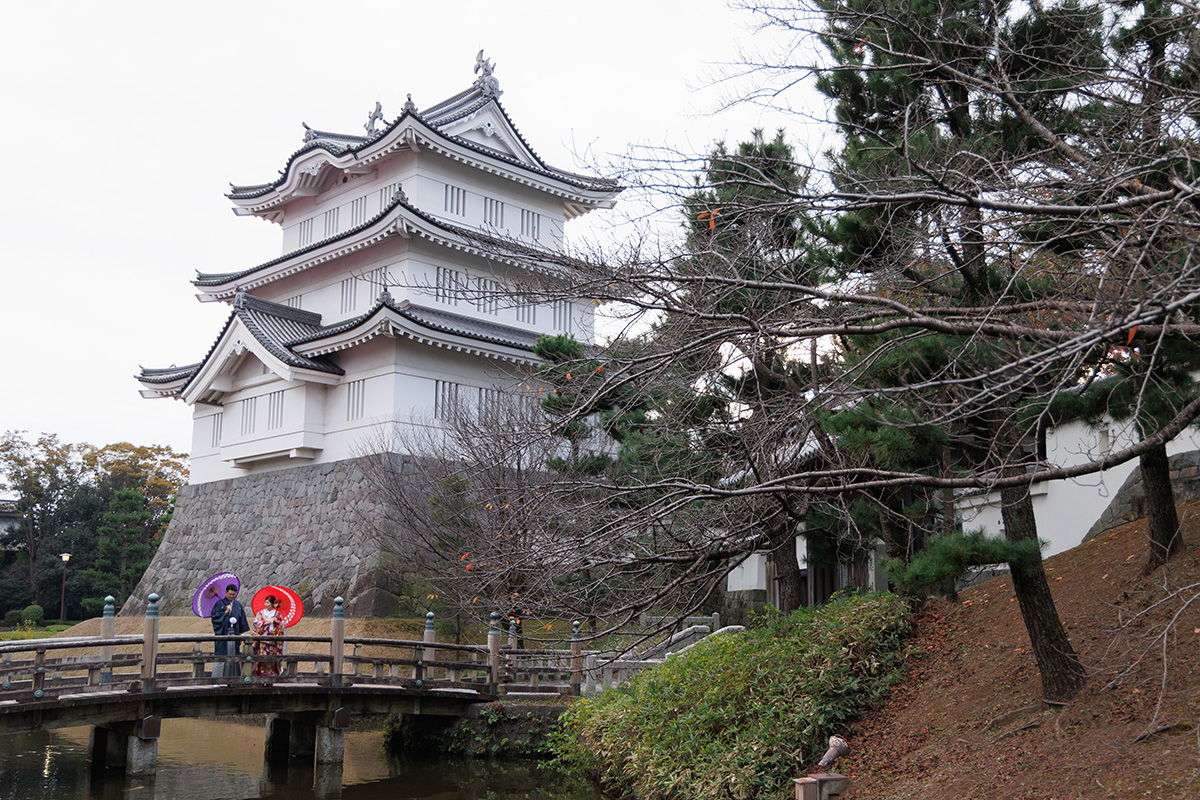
x=970 y=723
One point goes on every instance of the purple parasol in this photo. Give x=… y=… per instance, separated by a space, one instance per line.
x=211 y=591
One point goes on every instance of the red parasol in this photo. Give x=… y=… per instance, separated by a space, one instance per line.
x=211 y=591
x=291 y=608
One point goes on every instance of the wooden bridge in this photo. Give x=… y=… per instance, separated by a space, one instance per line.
x=124 y=686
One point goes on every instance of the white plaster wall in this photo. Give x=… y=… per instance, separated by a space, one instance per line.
x=1066 y=509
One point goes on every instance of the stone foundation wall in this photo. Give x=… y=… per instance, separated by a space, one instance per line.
x=1129 y=503
x=309 y=528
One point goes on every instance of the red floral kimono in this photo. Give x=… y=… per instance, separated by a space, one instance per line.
x=266 y=623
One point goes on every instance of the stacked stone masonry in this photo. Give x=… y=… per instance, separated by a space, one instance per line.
x=313 y=529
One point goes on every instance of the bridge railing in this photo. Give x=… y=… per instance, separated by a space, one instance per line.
x=36 y=670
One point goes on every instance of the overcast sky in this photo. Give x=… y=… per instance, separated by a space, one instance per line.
x=124 y=124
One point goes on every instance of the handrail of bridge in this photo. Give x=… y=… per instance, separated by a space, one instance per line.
x=153 y=662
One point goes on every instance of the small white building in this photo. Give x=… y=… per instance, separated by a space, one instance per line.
x=387 y=303
x=1066 y=509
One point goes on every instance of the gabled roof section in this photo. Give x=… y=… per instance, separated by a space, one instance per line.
x=398 y=218
x=295 y=344
x=441 y=127
x=427 y=325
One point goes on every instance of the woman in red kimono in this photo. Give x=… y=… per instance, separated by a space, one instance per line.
x=267 y=623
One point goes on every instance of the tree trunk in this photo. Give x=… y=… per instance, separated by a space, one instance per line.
x=787 y=572
x=1062 y=673
x=1161 y=516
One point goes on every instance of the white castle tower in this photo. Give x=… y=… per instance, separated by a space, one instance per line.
x=386 y=303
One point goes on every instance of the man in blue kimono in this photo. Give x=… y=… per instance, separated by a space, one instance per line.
x=228 y=619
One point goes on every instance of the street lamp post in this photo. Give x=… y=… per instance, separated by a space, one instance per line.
x=62 y=604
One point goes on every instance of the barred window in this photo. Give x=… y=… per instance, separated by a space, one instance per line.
x=349 y=295
x=331 y=222
x=531 y=224
x=493 y=212
x=275 y=410
x=306 y=233
x=356 y=399
x=562 y=315
x=218 y=421
x=358 y=212
x=449 y=285
x=456 y=201
x=293 y=301
x=489 y=403
x=445 y=399
x=527 y=313
x=486 y=298
x=249 y=411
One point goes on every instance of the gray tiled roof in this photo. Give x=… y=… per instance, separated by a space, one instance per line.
x=281 y=328
x=436 y=117
x=516 y=248
x=167 y=374
x=437 y=320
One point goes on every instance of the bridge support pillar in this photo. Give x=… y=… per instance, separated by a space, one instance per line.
x=327 y=781
x=278 y=741
x=331 y=745
x=302 y=736
x=129 y=745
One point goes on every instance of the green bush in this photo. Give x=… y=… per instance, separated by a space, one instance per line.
x=33 y=615
x=12 y=618
x=737 y=716
x=947 y=556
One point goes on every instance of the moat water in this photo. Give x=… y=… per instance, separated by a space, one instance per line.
x=207 y=760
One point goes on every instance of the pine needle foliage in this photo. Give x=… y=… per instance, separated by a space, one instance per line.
x=946 y=557
x=738 y=716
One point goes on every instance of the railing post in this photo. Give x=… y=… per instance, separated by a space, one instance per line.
x=576 y=660
x=493 y=639
x=108 y=630
x=39 y=673
x=337 y=642
x=150 y=644
x=430 y=637
x=512 y=632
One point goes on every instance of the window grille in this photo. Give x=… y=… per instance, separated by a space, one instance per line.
x=531 y=224
x=293 y=301
x=445 y=399
x=456 y=201
x=331 y=222
x=349 y=295
x=306 y=233
x=217 y=421
x=493 y=212
x=527 y=313
x=562 y=315
x=358 y=212
x=486 y=298
x=275 y=410
x=249 y=410
x=356 y=399
x=449 y=285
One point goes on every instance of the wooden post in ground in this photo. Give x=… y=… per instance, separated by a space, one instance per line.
x=576 y=660
x=429 y=638
x=493 y=639
x=108 y=630
x=337 y=643
x=150 y=644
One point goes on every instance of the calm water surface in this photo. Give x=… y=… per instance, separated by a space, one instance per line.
x=206 y=760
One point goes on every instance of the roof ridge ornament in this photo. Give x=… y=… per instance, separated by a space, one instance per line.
x=486 y=82
x=399 y=194
x=375 y=118
x=309 y=133
x=409 y=106
x=239 y=298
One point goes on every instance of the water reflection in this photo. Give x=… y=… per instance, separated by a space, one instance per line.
x=205 y=760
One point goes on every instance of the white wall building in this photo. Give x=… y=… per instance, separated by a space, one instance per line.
x=387 y=300
x=1066 y=509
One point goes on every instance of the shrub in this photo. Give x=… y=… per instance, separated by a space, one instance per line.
x=33 y=615
x=12 y=618
x=736 y=716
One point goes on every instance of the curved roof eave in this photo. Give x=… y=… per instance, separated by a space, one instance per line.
x=222 y=286
x=426 y=326
x=391 y=139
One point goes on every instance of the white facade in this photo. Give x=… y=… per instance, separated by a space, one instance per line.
x=1066 y=509
x=389 y=292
